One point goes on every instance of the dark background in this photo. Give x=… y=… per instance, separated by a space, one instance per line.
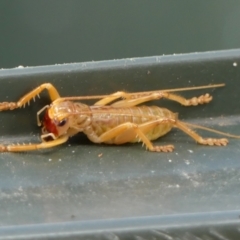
x=65 y=31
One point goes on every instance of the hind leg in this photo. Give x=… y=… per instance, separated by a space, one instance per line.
x=198 y=138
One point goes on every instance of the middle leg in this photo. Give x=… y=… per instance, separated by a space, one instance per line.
x=158 y=95
x=127 y=132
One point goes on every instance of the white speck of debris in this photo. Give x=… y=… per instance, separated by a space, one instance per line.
x=177 y=186
x=59 y=159
x=235 y=64
x=187 y=162
x=176 y=153
x=69 y=145
x=49 y=159
x=186 y=175
x=170 y=160
x=191 y=151
x=73 y=151
x=152 y=171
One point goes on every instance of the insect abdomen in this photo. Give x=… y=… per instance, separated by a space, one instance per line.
x=106 y=118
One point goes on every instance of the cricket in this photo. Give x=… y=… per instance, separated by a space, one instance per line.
x=117 y=118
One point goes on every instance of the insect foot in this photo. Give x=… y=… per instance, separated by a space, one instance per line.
x=214 y=141
x=199 y=100
x=167 y=148
x=3 y=148
x=7 y=106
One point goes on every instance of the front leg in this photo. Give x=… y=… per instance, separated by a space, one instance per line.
x=126 y=132
x=32 y=147
x=53 y=93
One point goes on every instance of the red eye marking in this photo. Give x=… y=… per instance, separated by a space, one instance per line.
x=49 y=124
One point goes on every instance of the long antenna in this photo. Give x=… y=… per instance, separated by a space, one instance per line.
x=143 y=93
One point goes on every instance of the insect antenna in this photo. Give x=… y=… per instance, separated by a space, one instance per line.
x=194 y=88
x=132 y=94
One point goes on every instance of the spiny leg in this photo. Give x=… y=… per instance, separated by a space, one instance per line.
x=139 y=132
x=32 y=147
x=53 y=93
x=198 y=138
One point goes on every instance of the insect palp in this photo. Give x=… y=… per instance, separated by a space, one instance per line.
x=46 y=136
x=38 y=114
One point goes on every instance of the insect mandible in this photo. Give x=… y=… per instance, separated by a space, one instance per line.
x=115 y=119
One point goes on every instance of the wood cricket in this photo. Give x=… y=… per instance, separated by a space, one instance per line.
x=115 y=119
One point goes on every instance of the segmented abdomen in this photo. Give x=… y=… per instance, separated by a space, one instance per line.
x=105 y=118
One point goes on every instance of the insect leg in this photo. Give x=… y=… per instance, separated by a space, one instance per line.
x=129 y=131
x=112 y=97
x=135 y=100
x=53 y=93
x=206 y=98
x=198 y=138
x=32 y=147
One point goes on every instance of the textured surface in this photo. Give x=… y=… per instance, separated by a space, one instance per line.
x=81 y=181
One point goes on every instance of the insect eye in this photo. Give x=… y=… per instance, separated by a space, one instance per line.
x=62 y=123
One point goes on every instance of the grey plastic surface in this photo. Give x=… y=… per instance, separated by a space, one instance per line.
x=121 y=192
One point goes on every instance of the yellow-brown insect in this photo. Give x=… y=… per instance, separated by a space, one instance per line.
x=115 y=119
